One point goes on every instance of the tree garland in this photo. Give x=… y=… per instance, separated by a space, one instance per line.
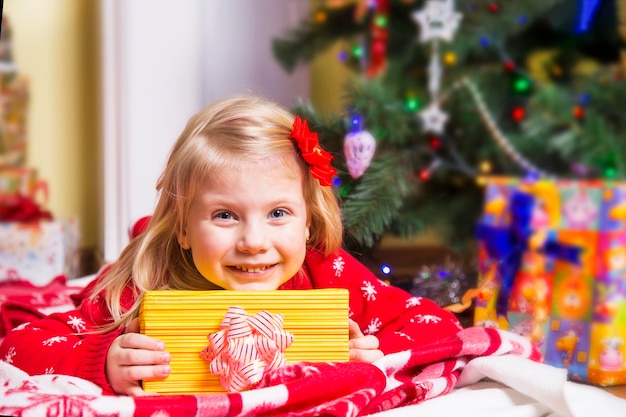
x=495 y=132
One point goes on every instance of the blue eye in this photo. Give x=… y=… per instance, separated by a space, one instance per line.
x=277 y=213
x=224 y=215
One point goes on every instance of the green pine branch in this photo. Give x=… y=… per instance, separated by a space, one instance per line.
x=390 y=197
x=374 y=201
x=301 y=44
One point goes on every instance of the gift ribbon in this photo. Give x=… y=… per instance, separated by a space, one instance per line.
x=508 y=244
x=246 y=347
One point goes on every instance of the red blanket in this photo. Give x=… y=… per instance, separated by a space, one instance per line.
x=303 y=389
x=22 y=301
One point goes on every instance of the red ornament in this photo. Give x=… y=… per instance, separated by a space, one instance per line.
x=518 y=113
x=434 y=142
x=493 y=7
x=509 y=66
x=424 y=174
x=380 y=35
x=378 y=48
x=578 y=112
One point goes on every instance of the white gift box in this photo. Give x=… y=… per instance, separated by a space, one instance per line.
x=38 y=251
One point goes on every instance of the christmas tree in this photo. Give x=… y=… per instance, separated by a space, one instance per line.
x=445 y=94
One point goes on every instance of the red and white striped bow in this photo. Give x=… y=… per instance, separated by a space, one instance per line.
x=246 y=347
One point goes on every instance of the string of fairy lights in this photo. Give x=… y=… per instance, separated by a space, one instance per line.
x=438 y=20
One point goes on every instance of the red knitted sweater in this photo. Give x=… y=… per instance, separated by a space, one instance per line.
x=60 y=344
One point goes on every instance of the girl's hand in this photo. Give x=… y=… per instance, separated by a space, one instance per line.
x=133 y=357
x=362 y=348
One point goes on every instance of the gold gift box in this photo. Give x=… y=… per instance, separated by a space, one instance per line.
x=318 y=319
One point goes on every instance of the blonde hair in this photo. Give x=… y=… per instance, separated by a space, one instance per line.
x=220 y=136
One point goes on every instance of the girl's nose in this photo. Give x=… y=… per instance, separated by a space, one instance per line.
x=254 y=238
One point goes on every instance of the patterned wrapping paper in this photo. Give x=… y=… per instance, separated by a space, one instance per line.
x=38 y=251
x=24 y=181
x=575 y=311
x=183 y=320
x=14 y=97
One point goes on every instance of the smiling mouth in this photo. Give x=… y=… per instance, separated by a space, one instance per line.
x=251 y=269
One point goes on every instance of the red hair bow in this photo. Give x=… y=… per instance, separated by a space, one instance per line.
x=317 y=158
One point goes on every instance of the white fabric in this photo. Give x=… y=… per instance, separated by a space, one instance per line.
x=516 y=387
x=492 y=386
x=25 y=395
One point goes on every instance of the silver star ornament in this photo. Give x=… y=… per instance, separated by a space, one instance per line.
x=437 y=20
x=433 y=119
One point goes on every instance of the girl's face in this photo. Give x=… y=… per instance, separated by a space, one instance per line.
x=247 y=228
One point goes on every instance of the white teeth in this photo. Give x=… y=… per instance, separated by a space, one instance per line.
x=257 y=269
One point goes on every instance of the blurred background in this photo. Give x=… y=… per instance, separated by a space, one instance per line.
x=110 y=85
x=421 y=102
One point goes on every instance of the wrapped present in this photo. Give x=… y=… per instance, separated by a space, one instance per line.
x=204 y=332
x=14 y=98
x=13 y=116
x=552 y=264
x=23 y=181
x=38 y=251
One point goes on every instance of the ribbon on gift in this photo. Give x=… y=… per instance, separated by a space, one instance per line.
x=507 y=245
x=21 y=208
x=246 y=347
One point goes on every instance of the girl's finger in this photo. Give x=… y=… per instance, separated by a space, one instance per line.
x=353 y=329
x=136 y=391
x=365 y=342
x=134 y=357
x=138 y=373
x=140 y=341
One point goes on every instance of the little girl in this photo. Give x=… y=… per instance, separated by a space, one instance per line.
x=245 y=203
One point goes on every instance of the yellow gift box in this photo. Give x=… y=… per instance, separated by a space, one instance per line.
x=318 y=320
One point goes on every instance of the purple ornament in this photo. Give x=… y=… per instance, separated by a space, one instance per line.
x=359 y=148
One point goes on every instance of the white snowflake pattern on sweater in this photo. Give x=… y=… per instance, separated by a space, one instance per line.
x=77 y=323
x=53 y=340
x=20 y=327
x=413 y=301
x=369 y=291
x=426 y=318
x=406 y=336
x=374 y=326
x=338 y=265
